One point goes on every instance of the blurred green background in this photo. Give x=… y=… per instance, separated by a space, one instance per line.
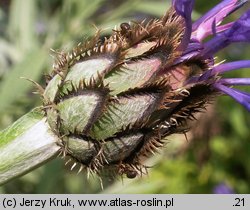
x=217 y=150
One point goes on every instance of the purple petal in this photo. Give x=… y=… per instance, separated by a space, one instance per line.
x=214 y=45
x=223 y=28
x=238 y=32
x=241 y=97
x=203 y=26
x=193 y=80
x=235 y=81
x=230 y=66
x=222 y=68
x=184 y=8
x=193 y=49
x=222 y=189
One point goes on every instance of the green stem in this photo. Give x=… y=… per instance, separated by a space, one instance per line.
x=25 y=145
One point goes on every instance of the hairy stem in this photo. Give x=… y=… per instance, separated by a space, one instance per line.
x=25 y=145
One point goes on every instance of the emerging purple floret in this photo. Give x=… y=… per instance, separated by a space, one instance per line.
x=184 y=8
x=194 y=46
x=238 y=32
x=210 y=22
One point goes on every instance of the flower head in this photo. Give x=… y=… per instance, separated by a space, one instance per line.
x=112 y=102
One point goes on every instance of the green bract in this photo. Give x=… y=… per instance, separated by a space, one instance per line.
x=109 y=102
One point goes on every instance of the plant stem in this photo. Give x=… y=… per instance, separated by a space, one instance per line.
x=25 y=145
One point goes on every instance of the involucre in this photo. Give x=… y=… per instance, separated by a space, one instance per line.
x=113 y=101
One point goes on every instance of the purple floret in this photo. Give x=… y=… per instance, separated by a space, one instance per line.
x=193 y=46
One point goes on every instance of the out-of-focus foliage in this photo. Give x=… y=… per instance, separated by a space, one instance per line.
x=216 y=152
